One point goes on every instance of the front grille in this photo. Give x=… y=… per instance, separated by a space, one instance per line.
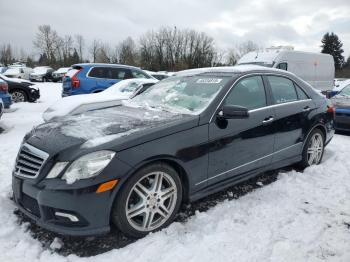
x=29 y=161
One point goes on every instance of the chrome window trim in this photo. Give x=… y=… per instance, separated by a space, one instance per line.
x=248 y=163
x=261 y=108
x=36 y=151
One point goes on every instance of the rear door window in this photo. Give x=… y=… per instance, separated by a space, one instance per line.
x=283 y=89
x=99 y=72
x=301 y=93
x=120 y=73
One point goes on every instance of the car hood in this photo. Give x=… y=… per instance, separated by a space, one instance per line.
x=38 y=74
x=341 y=101
x=114 y=129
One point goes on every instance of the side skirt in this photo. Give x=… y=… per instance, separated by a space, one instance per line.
x=214 y=188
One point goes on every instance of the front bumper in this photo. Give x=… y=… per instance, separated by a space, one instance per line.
x=45 y=206
x=342 y=119
x=34 y=94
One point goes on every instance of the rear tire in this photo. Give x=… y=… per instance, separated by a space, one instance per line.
x=313 y=149
x=148 y=201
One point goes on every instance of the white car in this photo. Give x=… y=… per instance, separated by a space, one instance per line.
x=59 y=74
x=110 y=97
x=18 y=72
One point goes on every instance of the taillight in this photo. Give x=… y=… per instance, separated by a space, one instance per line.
x=4 y=87
x=331 y=109
x=75 y=80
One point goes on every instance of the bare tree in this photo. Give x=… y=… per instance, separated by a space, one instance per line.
x=46 y=41
x=94 y=49
x=232 y=57
x=103 y=54
x=246 y=47
x=6 y=54
x=80 y=45
x=126 y=52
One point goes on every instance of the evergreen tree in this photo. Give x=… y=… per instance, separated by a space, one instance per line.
x=333 y=46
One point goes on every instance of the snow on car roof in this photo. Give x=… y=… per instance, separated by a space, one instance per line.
x=227 y=69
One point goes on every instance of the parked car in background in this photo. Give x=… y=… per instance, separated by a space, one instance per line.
x=110 y=97
x=180 y=140
x=315 y=68
x=339 y=85
x=21 y=90
x=41 y=74
x=1 y=107
x=341 y=102
x=3 y=69
x=18 y=72
x=94 y=78
x=4 y=94
x=157 y=75
x=57 y=76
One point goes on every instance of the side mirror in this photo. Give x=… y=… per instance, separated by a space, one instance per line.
x=233 y=112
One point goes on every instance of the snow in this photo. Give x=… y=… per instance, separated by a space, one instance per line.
x=62 y=70
x=110 y=97
x=300 y=217
x=40 y=70
x=17 y=80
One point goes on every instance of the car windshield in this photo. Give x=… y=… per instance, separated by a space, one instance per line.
x=182 y=94
x=126 y=86
x=63 y=70
x=345 y=91
x=40 y=70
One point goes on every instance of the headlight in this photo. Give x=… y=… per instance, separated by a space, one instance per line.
x=88 y=166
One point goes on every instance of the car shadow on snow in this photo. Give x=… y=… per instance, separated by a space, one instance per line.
x=90 y=246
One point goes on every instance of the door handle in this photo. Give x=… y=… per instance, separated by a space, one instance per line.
x=268 y=120
x=306 y=109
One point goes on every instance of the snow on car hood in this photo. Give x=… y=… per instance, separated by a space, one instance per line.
x=70 y=105
x=95 y=128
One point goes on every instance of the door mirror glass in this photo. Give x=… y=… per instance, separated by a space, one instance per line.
x=233 y=112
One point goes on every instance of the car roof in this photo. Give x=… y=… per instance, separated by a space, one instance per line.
x=238 y=69
x=105 y=64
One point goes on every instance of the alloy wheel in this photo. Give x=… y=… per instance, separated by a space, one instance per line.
x=315 y=149
x=17 y=97
x=151 y=201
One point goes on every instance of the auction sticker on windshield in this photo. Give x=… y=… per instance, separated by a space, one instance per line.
x=208 y=81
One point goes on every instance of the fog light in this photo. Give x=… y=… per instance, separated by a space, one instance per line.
x=71 y=217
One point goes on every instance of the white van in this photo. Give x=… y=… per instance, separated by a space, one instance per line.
x=315 y=68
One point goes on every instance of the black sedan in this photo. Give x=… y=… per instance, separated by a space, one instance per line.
x=21 y=90
x=341 y=103
x=185 y=137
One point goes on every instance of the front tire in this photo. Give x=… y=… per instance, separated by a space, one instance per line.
x=148 y=201
x=18 y=95
x=313 y=149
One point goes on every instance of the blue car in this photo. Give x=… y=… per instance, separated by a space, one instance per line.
x=93 y=78
x=4 y=94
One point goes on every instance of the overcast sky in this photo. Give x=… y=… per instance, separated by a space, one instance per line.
x=300 y=23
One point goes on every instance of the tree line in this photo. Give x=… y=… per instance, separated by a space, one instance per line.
x=168 y=48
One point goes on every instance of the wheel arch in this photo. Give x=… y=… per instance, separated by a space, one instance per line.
x=316 y=126
x=171 y=161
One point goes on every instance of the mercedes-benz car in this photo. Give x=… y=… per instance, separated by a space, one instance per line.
x=182 y=139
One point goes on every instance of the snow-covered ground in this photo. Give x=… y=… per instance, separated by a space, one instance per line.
x=300 y=217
